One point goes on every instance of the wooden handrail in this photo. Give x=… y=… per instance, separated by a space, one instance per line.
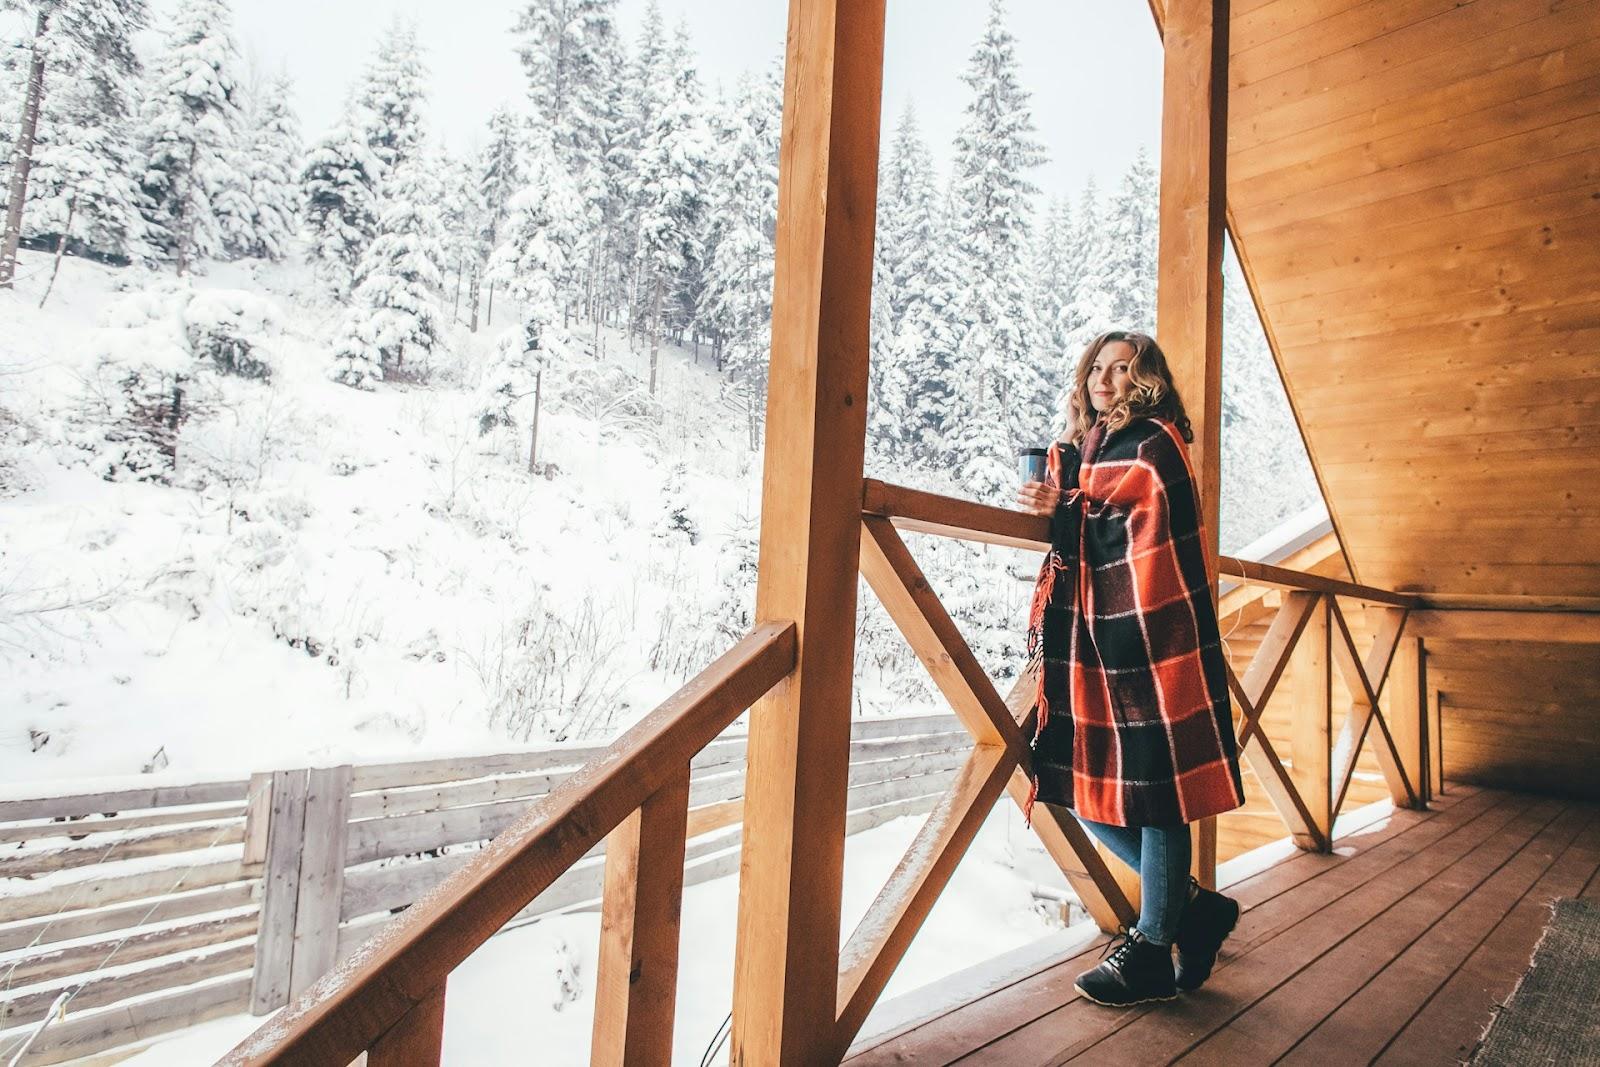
x=350 y=1009
x=921 y=512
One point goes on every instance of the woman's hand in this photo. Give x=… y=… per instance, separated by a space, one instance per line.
x=1038 y=498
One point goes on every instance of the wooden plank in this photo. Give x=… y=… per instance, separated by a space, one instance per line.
x=1193 y=210
x=121 y=800
x=1468 y=92
x=1401 y=64
x=1540 y=627
x=67 y=926
x=1365 y=702
x=1273 y=1025
x=97 y=991
x=885 y=932
x=1408 y=705
x=786 y=953
x=1034 y=1020
x=280 y=892
x=1312 y=734
x=637 y=976
x=257 y=816
x=916 y=511
x=80 y=958
x=1324 y=31
x=98 y=1031
x=1266 y=574
x=417 y=1040
x=150 y=843
x=1447 y=1026
x=373 y=990
x=1254 y=971
x=1364 y=1025
x=78 y=829
x=117 y=889
x=321 y=888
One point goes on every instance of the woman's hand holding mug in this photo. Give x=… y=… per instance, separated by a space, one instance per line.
x=1038 y=498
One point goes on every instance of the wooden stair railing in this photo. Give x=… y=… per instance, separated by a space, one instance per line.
x=388 y=998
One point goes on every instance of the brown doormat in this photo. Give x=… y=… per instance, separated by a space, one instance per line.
x=1551 y=1017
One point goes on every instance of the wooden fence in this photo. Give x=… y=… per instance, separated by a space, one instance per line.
x=153 y=909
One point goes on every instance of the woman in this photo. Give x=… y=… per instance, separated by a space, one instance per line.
x=1135 y=731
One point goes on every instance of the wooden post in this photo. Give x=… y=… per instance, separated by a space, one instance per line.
x=1435 y=736
x=786 y=961
x=1311 y=739
x=321 y=887
x=1407 y=714
x=257 y=817
x=1194 y=154
x=637 y=984
x=280 y=889
x=417 y=1040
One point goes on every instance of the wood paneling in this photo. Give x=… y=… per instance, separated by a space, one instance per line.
x=1416 y=188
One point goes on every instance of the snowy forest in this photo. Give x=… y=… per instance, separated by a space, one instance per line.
x=392 y=447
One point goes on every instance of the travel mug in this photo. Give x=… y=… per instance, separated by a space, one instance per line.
x=1032 y=464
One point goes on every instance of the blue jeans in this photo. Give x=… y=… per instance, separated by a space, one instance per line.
x=1161 y=856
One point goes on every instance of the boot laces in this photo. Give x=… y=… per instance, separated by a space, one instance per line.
x=1118 y=947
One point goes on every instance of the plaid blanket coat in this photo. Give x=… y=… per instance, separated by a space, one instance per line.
x=1135 y=727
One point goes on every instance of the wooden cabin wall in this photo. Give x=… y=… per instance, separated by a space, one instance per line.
x=1519 y=715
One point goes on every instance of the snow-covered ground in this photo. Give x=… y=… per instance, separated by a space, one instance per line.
x=337 y=574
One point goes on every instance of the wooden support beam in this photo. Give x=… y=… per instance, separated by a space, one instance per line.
x=417 y=1040
x=786 y=962
x=905 y=594
x=1194 y=158
x=1312 y=729
x=1364 y=713
x=1408 y=708
x=636 y=985
x=884 y=933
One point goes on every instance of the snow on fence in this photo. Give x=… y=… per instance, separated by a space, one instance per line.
x=157 y=908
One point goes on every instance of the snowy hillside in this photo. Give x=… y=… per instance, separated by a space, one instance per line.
x=334 y=573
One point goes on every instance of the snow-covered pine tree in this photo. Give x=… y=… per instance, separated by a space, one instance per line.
x=1131 y=231
x=70 y=44
x=928 y=339
x=645 y=74
x=738 y=300
x=340 y=203
x=272 y=148
x=82 y=188
x=461 y=214
x=1003 y=399
x=391 y=95
x=572 y=56
x=395 y=315
x=536 y=263
x=1052 y=284
x=668 y=190
x=191 y=121
x=908 y=215
x=1089 y=308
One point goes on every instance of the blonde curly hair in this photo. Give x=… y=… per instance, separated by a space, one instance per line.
x=1151 y=391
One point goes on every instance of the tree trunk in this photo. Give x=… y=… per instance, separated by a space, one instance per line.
x=489 y=316
x=655 y=333
x=61 y=248
x=186 y=222
x=533 y=436
x=474 y=289
x=455 y=306
x=22 y=156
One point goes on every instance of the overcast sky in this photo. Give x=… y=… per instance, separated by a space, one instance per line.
x=1093 y=66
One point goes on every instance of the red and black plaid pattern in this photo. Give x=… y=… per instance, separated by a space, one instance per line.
x=1135 y=724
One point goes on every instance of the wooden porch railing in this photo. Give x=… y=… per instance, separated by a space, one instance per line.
x=388 y=1000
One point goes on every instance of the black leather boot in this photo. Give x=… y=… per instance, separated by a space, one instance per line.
x=1207 y=920
x=1135 y=972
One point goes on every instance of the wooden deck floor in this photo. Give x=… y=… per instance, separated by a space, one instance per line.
x=1390 y=951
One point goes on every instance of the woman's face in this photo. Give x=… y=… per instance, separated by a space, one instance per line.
x=1108 y=374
